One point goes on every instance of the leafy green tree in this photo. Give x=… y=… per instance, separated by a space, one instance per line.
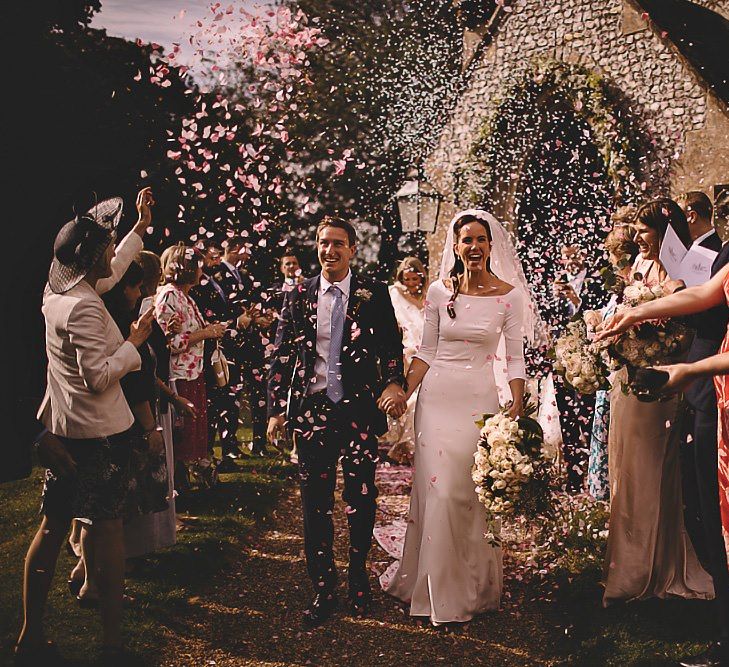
x=383 y=88
x=80 y=124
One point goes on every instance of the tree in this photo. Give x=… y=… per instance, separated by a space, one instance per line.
x=80 y=124
x=383 y=88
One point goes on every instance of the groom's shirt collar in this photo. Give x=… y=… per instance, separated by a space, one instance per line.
x=344 y=285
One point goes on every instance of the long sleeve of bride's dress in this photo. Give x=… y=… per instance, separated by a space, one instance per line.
x=514 y=336
x=429 y=342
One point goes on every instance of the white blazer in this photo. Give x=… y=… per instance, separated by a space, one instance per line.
x=87 y=356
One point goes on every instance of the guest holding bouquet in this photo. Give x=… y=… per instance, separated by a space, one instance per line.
x=711 y=456
x=649 y=553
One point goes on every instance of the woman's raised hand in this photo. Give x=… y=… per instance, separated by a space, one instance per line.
x=140 y=330
x=145 y=202
x=615 y=325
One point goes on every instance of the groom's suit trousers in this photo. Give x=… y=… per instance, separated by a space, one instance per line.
x=326 y=432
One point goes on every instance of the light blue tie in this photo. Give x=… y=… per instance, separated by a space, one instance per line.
x=335 y=389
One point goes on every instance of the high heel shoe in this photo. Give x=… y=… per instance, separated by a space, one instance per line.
x=74 y=586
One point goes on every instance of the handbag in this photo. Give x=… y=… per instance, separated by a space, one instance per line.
x=220 y=366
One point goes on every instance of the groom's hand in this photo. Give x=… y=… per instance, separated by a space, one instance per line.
x=393 y=401
x=275 y=430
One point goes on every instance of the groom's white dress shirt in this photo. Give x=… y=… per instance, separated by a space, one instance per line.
x=324 y=328
x=234 y=271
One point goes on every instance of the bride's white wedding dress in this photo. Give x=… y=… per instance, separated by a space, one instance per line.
x=449 y=571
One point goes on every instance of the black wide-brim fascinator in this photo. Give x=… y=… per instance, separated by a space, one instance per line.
x=81 y=242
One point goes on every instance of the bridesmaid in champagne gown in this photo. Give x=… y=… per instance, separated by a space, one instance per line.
x=649 y=553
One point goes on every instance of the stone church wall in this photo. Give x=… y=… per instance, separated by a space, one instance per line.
x=689 y=127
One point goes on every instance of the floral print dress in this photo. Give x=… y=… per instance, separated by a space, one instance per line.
x=186 y=368
x=598 y=483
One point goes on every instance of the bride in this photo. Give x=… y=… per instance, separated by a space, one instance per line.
x=449 y=570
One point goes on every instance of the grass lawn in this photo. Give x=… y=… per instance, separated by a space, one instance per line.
x=637 y=634
x=163 y=586
x=231 y=591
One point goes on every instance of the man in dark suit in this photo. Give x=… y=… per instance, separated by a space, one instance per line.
x=223 y=403
x=576 y=290
x=710 y=328
x=291 y=276
x=337 y=349
x=250 y=304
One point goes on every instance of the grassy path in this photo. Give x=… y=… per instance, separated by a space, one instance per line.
x=230 y=593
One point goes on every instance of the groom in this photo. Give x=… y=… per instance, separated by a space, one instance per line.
x=337 y=361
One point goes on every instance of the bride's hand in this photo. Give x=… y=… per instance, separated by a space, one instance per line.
x=516 y=410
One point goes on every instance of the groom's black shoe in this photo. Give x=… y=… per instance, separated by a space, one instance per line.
x=360 y=598
x=320 y=609
x=717 y=655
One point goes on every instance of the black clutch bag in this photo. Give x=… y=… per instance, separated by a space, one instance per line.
x=647 y=383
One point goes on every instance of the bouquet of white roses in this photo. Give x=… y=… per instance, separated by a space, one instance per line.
x=579 y=361
x=650 y=343
x=510 y=467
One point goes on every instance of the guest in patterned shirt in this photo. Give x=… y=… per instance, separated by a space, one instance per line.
x=186 y=332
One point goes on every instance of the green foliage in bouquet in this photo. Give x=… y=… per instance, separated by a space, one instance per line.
x=533 y=438
x=508 y=481
x=579 y=361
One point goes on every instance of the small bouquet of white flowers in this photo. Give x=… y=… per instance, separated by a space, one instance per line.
x=650 y=343
x=579 y=361
x=511 y=467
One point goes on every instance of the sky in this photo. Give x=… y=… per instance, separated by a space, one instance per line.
x=157 y=21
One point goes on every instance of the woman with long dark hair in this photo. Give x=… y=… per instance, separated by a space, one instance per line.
x=649 y=553
x=449 y=571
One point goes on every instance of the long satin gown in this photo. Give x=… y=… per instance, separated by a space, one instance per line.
x=649 y=553
x=449 y=570
x=721 y=382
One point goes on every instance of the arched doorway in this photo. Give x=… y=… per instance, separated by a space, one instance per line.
x=559 y=153
x=562 y=195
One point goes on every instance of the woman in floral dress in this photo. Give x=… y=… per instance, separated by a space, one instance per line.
x=622 y=252
x=186 y=331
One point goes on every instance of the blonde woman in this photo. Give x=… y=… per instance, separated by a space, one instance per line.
x=408 y=300
x=186 y=331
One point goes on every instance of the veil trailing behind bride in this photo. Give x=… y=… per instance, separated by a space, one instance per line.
x=449 y=570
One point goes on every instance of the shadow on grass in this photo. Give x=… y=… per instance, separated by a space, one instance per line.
x=222 y=521
x=634 y=634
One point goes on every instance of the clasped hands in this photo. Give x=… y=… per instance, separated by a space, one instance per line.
x=393 y=401
x=256 y=316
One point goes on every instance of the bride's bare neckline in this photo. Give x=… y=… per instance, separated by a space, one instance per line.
x=449 y=286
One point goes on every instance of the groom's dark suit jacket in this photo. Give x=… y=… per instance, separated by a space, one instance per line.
x=711 y=327
x=371 y=356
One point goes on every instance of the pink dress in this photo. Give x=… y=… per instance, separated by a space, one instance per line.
x=649 y=553
x=721 y=382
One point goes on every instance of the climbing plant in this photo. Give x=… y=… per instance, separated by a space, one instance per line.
x=507 y=137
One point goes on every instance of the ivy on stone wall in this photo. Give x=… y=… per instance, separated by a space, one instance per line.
x=507 y=138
